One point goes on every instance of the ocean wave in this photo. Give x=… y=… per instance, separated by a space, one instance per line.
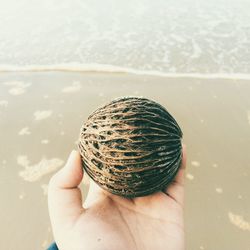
x=111 y=69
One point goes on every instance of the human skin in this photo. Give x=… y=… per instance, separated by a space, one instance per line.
x=110 y=222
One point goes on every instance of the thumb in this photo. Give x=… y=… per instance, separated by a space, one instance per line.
x=64 y=196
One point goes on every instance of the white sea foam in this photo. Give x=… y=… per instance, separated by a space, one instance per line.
x=42 y=114
x=24 y=131
x=195 y=163
x=17 y=87
x=4 y=103
x=74 y=87
x=219 y=190
x=15 y=84
x=34 y=172
x=23 y=161
x=239 y=221
x=178 y=38
x=45 y=141
x=21 y=196
x=248 y=116
x=197 y=51
x=239 y=196
x=105 y=68
x=189 y=176
x=17 y=91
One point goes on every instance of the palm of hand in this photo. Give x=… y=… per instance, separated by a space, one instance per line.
x=111 y=222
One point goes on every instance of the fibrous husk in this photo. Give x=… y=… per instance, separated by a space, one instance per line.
x=131 y=147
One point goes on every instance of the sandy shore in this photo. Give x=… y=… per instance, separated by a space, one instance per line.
x=40 y=117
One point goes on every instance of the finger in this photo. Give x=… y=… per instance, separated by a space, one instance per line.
x=176 y=189
x=64 y=196
x=94 y=194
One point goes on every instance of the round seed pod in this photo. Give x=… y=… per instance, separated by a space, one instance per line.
x=131 y=147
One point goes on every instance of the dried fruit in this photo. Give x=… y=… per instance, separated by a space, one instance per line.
x=131 y=147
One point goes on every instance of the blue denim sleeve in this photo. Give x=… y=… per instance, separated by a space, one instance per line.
x=53 y=246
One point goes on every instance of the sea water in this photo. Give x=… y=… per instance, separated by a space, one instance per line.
x=185 y=36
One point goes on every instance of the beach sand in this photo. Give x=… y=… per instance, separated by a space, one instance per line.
x=40 y=117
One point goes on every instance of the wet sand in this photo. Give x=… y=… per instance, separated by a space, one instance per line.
x=40 y=117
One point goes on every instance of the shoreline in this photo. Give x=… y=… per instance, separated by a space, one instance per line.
x=111 y=69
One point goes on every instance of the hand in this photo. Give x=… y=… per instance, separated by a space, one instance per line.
x=107 y=221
